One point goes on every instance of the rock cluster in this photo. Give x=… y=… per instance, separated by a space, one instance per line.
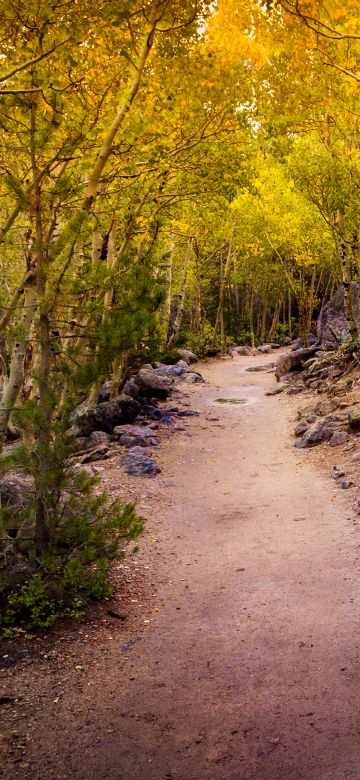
x=131 y=419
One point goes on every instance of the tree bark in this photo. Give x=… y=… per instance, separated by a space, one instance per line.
x=176 y=325
x=219 y=322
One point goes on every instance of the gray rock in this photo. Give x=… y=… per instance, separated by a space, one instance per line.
x=276 y=390
x=126 y=440
x=305 y=412
x=98 y=453
x=16 y=489
x=326 y=406
x=338 y=473
x=254 y=369
x=312 y=437
x=172 y=372
x=96 y=439
x=138 y=464
x=346 y=484
x=355 y=458
x=332 y=325
x=134 y=430
x=354 y=417
x=105 y=416
x=265 y=349
x=338 y=438
x=192 y=378
x=104 y=392
x=301 y=428
x=131 y=389
x=188 y=356
x=242 y=350
x=152 y=386
x=293 y=361
x=316 y=434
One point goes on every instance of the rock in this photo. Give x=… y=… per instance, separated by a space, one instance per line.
x=301 y=428
x=16 y=489
x=293 y=361
x=126 y=440
x=152 y=386
x=326 y=406
x=104 y=392
x=277 y=389
x=105 y=416
x=346 y=484
x=338 y=473
x=265 y=349
x=96 y=439
x=131 y=389
x=305 y=412
x=171 y=372
x=332 y=325
x=316 y=434
x=294 y=390
x=355 y=458
x=188 y=356
x=354 y=417
x=192 y=378
x=338 y=438
x=260 y=368
x=138 y=464
x=134 y=430
x=242 y=350
x=187 y=413
x=311 y=437
x=99 y=453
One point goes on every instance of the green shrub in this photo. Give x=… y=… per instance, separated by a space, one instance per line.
x=86 y=531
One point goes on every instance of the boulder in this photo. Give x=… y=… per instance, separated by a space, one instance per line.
x=332 y=325
x=134 y=430
x=301 y=428
x=16 y=489
x=315 y=434
x=106 y=416
x=242 y=350
x=188 y=356
x=137 y=463
x=338 y=438
x=131 y=389
x=96 y=439
x=354 y=417
x=293 y=361
x=277 y=389
x=126 y=440
x=98 y=453
x=326 y=406
x=192 y=377
x=152 y=386
x=104 y=392
x=265 y=349
x=171 y=372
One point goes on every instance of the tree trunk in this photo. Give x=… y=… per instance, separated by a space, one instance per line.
x=275 y=321
x=16 y=374
x=176 y=325
x=346 y=278
x=219 y=322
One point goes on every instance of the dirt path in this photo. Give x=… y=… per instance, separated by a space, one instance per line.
x=249 y=667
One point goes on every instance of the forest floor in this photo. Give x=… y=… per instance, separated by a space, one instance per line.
x=237 y=651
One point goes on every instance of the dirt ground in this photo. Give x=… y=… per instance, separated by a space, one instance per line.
x=238 y=654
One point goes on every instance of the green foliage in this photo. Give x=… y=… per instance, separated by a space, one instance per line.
x=86 y=532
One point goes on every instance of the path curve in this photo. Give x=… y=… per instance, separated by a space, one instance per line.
x=250 y=669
